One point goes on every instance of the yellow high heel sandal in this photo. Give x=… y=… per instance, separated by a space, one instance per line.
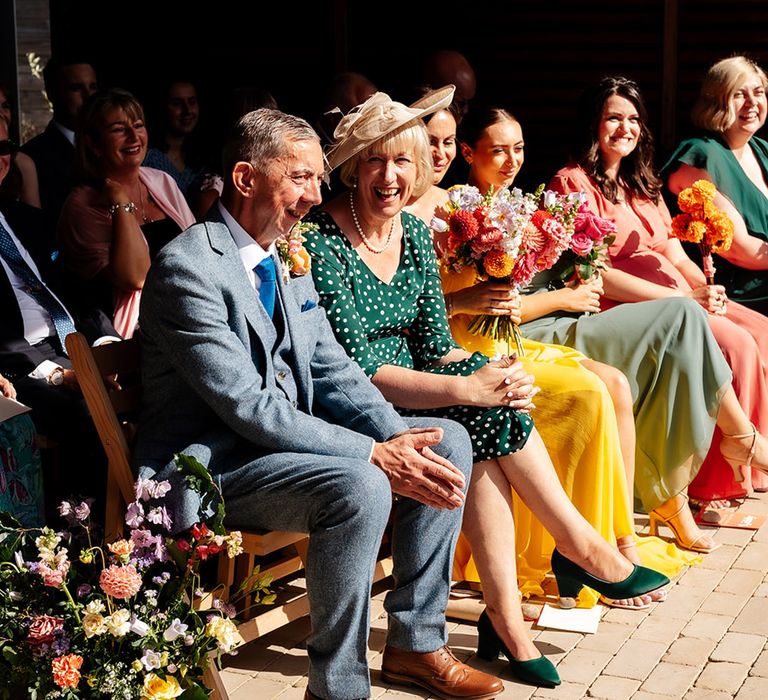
x=673 y=522
x=737 y=462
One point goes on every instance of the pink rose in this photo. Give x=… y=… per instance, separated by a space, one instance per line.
x=43 y=629
x=596 y=227
x=581 y=243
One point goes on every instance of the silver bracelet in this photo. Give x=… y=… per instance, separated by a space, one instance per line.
x=128 y=208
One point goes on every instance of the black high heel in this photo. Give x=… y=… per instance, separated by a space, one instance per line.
x=539 y=671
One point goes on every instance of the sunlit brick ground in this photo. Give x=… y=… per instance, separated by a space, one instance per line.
x=707 y=640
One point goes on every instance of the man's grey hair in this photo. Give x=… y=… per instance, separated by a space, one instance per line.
x=262 y=136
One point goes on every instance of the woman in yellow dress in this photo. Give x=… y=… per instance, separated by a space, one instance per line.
x=576 y=412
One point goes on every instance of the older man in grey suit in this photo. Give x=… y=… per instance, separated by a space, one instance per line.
x=242 y=370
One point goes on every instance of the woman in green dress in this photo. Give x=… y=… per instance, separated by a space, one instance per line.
x=730 y=110
x=375 y=269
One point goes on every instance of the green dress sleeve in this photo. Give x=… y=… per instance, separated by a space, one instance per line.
x=430 y=338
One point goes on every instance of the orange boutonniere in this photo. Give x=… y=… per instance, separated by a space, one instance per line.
x=293 y=254
x=703 y=223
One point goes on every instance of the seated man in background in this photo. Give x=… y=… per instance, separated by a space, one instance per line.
x=242 y=371
x=33 y=326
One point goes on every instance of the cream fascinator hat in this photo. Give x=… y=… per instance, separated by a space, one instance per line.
x=378 y=116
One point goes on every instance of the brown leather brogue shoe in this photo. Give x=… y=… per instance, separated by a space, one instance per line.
x=440 y=672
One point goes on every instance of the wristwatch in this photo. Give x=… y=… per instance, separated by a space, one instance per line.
x=56 y=378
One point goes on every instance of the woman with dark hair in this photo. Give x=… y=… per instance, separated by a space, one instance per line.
x=729 y=112
x=176 y=146
x=613 y=164
x=589 y=437
x=679 y=380
x=112 y=225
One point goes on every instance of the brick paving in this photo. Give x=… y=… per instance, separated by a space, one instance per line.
x=707 y=641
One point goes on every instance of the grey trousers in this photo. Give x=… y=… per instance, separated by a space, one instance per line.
x=345 y=504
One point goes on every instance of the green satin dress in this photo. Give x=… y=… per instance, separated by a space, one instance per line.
x=711 y=153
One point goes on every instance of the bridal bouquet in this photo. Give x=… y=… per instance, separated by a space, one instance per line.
x=592 y=234
x=80 y=619
x=703 y=223
x=507 y=236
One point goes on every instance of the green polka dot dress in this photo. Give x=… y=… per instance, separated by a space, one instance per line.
x=404 y=323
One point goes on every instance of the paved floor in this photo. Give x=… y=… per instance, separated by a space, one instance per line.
x=707 y=640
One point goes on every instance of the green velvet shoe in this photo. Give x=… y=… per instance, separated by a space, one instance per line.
x=571 y=578
x=539 y=671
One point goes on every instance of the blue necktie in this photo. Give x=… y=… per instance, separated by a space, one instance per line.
x=34 y=287
x=266 y=272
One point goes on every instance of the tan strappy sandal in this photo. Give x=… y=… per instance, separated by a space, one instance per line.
x=673 y=522
x=737 y=462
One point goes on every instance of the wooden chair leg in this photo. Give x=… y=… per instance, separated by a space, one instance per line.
x=212 y=681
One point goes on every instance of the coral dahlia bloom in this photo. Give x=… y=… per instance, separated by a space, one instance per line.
x=120 y=581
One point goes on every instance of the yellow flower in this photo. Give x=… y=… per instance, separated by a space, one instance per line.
x=86 y=556
x=155 y=688
x=94 y=624
x=119 y=623
x=137 y=665
x=224 y=631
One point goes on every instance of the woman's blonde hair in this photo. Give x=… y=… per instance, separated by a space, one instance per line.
x=713 y=110
x=91 y=123
x=412 y=136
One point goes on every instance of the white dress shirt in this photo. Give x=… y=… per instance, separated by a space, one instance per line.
x=251 y=253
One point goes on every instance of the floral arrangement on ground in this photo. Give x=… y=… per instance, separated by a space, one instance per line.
x=80 y=619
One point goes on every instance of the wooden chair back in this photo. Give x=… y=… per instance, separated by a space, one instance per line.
x=113 y=413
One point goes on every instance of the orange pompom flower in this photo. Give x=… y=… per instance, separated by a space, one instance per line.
x=704 y=189
x=66 y=670
x=120 y=582
x=498 y=263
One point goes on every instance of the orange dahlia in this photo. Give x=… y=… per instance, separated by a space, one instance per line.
x=498 y=263
x=120 y=581
x=539 y=217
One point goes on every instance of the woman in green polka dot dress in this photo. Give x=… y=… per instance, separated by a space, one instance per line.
x=375 y=269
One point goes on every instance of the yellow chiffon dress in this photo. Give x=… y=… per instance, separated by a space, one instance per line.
x=575 y=417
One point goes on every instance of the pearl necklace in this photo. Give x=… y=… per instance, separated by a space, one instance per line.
x=363 y=237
